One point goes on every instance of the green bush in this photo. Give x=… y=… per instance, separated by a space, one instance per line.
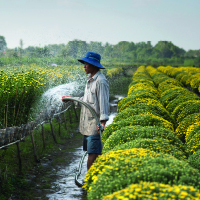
x=185 y=78
x=129 y=102
x=195 y=82
x=194 y=160
x=167 y=88
x=180 y=99
x=129 y=133
x=154 y=190
x=194 y=143
x=134 y=111
x=161 y=168
x=157 y=144
x=179 y=75
x=132 y=98
x=188 y=110
x=145 y=119
x=181 y=107
x=155 y=109
x=141 y=90
x=181 y=130
x=159 y=78
x=165 y=84
x=145 y=81
x=191 y=131
x=105 y=160
x=171 y=94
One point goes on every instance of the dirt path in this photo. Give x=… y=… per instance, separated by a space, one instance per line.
x=55 y=173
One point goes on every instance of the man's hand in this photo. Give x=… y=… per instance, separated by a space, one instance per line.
x=103 y=126
x=63 y=98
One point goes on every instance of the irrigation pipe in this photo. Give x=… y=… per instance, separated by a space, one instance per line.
x=79 y=171
x=100 y=133
x=12 y=143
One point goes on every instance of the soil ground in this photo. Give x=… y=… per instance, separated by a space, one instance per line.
x=41 y=177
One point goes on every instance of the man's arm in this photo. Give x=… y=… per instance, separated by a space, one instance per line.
x=103 y=98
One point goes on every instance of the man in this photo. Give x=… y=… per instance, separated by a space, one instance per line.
x=97 y=96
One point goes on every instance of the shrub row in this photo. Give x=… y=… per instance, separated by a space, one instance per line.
x=182 y=104
x=129 y=133
x=189 y=76
x=154 y=190
x=138 y=144
x=119 y=169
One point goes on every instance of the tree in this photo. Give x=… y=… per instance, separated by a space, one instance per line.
x=120 y=49
x=3 y=45
x=96 y=47
x=21 y=47
x=168 y=49
x=192 y=53
x=11 y=53
x=56 y=49
x=108 y=50
x=75 y=48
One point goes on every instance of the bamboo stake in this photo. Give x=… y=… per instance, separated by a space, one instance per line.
x=43 y=137
x=19 y=157
x=70 y=117
x=4 y=119
x=65 y=120
x=52 y=131
x=34 y=149
x=59 y=121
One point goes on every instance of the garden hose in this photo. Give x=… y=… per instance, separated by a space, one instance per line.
x=100 y=133
x=79 y=170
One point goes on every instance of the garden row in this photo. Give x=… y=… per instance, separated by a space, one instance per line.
x=188 y=76
x=146 y=151
x=22 y=87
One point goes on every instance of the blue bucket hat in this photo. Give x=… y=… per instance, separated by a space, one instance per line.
x=92 y=58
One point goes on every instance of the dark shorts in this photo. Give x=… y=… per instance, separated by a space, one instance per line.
x=92 y=143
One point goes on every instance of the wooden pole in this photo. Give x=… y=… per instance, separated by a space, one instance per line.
x=59 y=121
x=65 y=120
x=34 y=149
x=70 y=117
x=43 y=137
x=52 y=131
x=19 y=157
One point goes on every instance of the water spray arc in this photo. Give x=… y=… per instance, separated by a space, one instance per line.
x=100 y=133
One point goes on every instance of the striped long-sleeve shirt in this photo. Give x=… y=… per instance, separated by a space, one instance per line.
x=97 y=96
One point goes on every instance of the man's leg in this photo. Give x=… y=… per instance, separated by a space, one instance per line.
x=91 y=158
x=93 y=148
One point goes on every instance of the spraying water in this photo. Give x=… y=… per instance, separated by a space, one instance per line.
x=51 y=102
x=52 y=97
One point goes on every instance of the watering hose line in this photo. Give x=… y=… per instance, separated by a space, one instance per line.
x=100 y=133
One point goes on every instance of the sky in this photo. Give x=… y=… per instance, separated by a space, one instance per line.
x=43 y=22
